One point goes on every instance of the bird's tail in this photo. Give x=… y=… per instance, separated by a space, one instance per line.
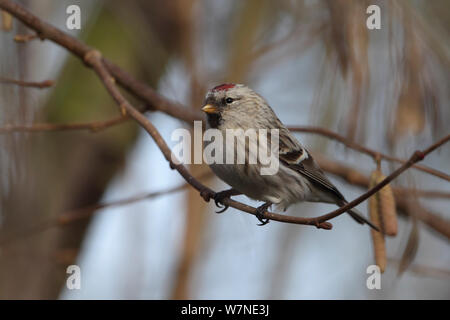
x=358 y=216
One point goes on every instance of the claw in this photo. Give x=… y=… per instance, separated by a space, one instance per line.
x=263 y=222
x=223 y=210
x=260 y=213
x=218 y=198
x=217 y=202
x=220 y=205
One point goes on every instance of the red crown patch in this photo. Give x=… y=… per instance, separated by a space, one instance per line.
x=224 y=86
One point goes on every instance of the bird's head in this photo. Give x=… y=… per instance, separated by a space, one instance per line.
x=235 y=106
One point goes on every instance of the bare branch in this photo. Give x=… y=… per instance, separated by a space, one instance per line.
x=416 y=157
x=431 y=219
x=86 y=212
x=82 y=213
x=374 y=154
x=21 y=38
x=39 y=85
x=44 y=127
x=424 y=270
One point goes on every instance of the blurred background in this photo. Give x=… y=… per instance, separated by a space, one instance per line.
x=315 y=62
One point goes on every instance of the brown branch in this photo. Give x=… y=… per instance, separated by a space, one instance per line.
x=401 y=191
x=40 y=85
x=355 y=177
x=374 y=154
x=44 y=127
x=152 y=98
x=424 y=270
x=431 y=219
x=21 y=38
x=83 y=213
x=416 y=157
x=103 y=68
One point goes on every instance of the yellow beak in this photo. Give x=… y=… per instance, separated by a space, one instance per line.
x=210 y=109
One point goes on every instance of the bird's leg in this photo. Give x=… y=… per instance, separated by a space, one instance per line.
x=260 y=213
x=220 y=196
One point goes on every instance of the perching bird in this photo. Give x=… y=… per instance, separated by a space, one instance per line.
x=299 y=178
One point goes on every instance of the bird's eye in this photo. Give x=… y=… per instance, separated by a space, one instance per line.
x=229 y=100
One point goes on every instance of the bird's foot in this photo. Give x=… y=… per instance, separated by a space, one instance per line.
x=220 y=196
x=260 y=213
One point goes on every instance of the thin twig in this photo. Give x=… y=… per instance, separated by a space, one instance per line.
x=83 y=213
x=424 y=270
x=401 y=191
x=21 y=38
x=416 y=157
x=94 y=126
x=39 y=85
x=402 y=199
x=374 y=154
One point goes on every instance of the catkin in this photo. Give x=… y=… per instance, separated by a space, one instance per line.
x=6 y=21
x=375 y=216
x=387 y=208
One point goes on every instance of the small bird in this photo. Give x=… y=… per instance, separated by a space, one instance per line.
x=298 y=178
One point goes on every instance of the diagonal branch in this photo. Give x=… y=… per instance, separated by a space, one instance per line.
x=402 y=195
x=22 y=38
x=43 y=127
x=39 y=85
x=416 y=157
x=83 y=213
x=374 y=154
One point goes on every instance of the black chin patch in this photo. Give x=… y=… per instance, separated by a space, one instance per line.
x=214 y=120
